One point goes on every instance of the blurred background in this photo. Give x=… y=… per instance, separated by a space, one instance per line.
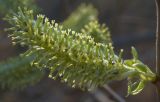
x=131 y=22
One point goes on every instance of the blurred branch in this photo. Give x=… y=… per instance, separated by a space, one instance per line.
x=157 y=81
x=101 y=97
x=113 y=93
x=158 y=38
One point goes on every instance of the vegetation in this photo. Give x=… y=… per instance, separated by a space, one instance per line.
x=78 y=50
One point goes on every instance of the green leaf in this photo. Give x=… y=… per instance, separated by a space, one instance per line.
x=120 y=54
x=135 y=88
x=140 y=67
x=134 y=53
x=139 y=88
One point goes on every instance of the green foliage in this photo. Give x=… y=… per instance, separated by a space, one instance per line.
x=89 y=16
x=85 y=20
x=17 y=73
x=77 y=58
x=80 y=17
x=66 y=51
x=79 y=51
x=99 y=33
x=138 y=80
x=7 y=6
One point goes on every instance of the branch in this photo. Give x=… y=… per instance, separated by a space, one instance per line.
x=158 y=38
x=113 y=93
x=102 y=97
x=157 y=81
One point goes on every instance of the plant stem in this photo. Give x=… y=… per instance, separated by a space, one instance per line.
x=157 y=84
x=113 y=93
x=157 y=81
x=158 y=38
